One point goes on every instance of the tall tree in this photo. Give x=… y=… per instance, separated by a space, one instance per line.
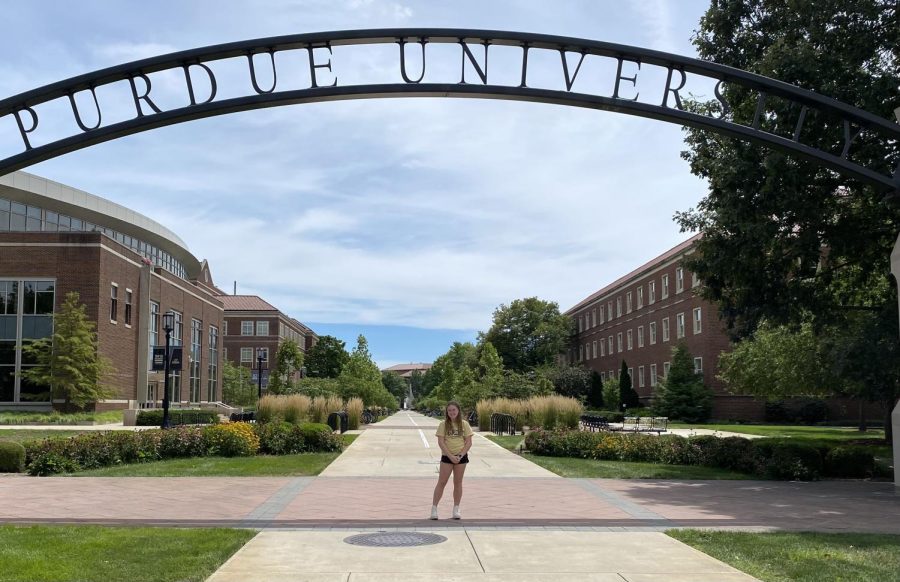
x=327 y=358
x=627 y=394
x=361 y=377
x=767 y=216
x=69 y=362
x=288 y=361
x=394 y=384
x=237 y=387
x=528 y=333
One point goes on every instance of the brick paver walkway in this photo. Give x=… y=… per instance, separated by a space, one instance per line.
x=386 y=477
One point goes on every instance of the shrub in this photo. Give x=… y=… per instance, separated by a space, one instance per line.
x=354 y=413
x=611 y=397
x=12 y=457
x=320 y=438
x=177 y=417
x=682 y=394
x=180 y=442
x=236 y=439
x=849 y=462
x=280 y=438
x=788 y=461
x=797 y=410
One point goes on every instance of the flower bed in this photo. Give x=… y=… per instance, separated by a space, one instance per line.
x=92 y=451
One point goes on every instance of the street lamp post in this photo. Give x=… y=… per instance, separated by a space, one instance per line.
x=168 y=326
x=259 y=363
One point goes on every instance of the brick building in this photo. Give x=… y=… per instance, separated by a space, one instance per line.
x=639 y=319
x=128 y=271
x=253 y=326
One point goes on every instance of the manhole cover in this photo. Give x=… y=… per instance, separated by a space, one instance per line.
x=395 y=539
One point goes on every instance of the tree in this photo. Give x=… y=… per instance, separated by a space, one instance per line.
x=69 y=362
x=460 y=355
x=779 y=362
x=784 y=237
x=490 y=368
x=416 y=383
x=528 y=333
x=362 y=378
x=627 y=394
x=611 y=396
x=327 y=358
x=394 y=384
x=572 y=381
x=237 y=388
x=682 y=394
x=288 y=361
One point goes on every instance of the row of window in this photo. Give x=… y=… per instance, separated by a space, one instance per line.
x=588 y=320
x=249 y=355
x=606 y=347
x=654 y=377
x=195 y=354
x=17 y=217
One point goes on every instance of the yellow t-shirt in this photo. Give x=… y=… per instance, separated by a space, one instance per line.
x=455 y=440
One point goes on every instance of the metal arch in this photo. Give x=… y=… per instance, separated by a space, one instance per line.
x=767 y=87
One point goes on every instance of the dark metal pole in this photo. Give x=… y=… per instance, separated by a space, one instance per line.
x=165 y=419
x=259 y=361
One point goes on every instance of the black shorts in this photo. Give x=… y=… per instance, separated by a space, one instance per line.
x=463 y=461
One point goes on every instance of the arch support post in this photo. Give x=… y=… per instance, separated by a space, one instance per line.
x=895 y=415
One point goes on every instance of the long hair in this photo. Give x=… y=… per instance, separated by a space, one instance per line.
x=448 y=424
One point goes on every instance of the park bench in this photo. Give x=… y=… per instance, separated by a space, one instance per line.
x=594 y=423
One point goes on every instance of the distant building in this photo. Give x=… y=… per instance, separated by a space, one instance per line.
x=253 y=324
x=406 y=370
x=641 y=316
x=128 y=271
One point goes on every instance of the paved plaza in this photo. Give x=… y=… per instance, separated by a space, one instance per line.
x=518 y=518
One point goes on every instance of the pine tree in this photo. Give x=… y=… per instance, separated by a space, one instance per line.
x=627 y=394
x=69 y=362
x=682 y=394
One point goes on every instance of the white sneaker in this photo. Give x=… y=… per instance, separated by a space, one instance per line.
x=434 y=514
x=456 y=514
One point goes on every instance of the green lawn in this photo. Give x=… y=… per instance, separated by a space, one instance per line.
x=17 y=417
x=305 y=464
x=20 y=435
x=94 y=553
x=802 y=557
x=589 y=468
x=815 y=433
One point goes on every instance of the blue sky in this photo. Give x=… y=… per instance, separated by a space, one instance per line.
x=407 y=220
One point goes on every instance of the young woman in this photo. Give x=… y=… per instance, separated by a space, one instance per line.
x=455 y=439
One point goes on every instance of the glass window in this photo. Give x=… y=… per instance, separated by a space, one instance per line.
x=212 y=379
x=4 y=221
x=695 y=280
x=679 y=325
x=665 y=329
x=665 y=286
x=698 y=323
x=652 y=375
x=651 y=292
x=628 y=339
x=628 y=302
x=153 y=324
x=246 y=355
x=666 y=366
x=640 y=376
x=652 y=333
x=602 y=348
x=128 y=296
x=698 y=365
x=246 y=328
x=262 y=328
x=640 y=336
x=594 y=317
x=618 y=307
x=640 y=296
x=113 y=302
x=609 y=346
x=679 y=280
x=619 y=341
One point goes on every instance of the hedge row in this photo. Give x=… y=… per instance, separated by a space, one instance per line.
x=768 y=458
x=177 y=417
x=93 y=451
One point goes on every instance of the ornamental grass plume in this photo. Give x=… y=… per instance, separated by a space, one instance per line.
x=269 y=409
x=296 y=408
x=354 y=412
